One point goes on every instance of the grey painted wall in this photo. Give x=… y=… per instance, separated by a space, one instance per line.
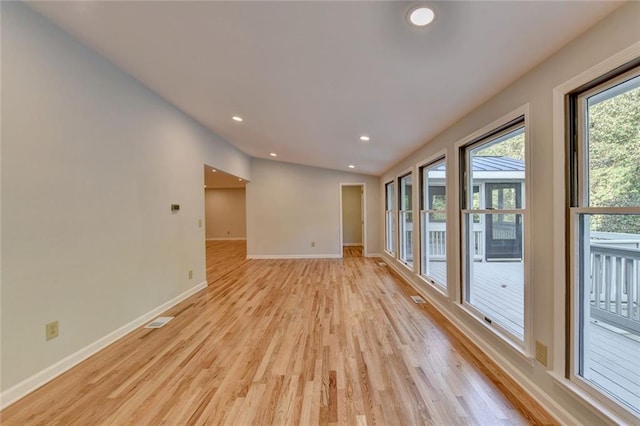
x=91 y=162
x=225 y=213
x=290 y=206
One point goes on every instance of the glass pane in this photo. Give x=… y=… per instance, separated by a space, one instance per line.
x=433 y=224
x=499 y=165
x=609 y=327
x=391 y=230
x=389 y=196
x=434 y=249
x=613 y=139
x=406 y=237
x=389 y=221
x=494 y=280
x=475 y=203
x=406 y=222
x=406 y=193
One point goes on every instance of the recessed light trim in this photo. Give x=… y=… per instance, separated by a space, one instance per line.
x=351 y=166
x=240 y=179
x=365 y=138
x=273 y=154
x=237 y=118
x=421 y=16
x=213 y=170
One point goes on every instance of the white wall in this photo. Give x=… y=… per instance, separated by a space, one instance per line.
x=289 y=206
x=91 y=161
x=225 y=213
x=611 y=35
x=351 y=215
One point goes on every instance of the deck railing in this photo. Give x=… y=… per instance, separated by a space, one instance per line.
x=438 y=245
x=615 y=285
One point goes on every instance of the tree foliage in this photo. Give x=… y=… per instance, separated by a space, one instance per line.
x=614 y=160
x=511 y=148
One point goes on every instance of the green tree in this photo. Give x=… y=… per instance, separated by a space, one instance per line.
x=510 y=148
x=614 y=160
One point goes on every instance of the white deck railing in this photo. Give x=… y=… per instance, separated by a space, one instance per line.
x=438 y=245
x=615 y=285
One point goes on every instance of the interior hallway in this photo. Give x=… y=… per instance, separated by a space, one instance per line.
x=318 y=341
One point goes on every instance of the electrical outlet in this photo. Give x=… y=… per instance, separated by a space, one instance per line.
x=199 y=223
x=51 y=330
x=190 y=275
x=313 y=243
x=541 y=353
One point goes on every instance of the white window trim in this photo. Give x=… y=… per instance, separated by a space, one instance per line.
x=596 y=401
x=403 y=173
x=434 y=158
x=394 y=243
x=524 y=347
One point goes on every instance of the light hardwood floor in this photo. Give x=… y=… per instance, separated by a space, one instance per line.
x=326 y=341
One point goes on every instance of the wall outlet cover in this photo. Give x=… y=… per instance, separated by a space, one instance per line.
x=51 y=330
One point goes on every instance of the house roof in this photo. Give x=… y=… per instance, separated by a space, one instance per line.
x=493 y=164
x=497 y=164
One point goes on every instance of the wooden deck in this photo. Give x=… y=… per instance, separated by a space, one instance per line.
x=615 y=354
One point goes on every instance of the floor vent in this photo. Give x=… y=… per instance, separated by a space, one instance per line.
x=382 y=264
x=158 y=322
x=417 y=299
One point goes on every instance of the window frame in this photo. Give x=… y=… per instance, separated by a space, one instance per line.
x=399 y=237
x=524 y=347
x=393 y=243
x=560 y=360
x=438 y=158
x=577 y=206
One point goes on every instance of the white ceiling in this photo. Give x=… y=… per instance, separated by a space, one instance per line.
x=310 y=77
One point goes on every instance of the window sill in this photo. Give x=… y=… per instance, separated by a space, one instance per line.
x=406 y=265
x=609 y=413
x=526 y=357
x=434 y=285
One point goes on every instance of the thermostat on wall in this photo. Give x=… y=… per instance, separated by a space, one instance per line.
x=175 y=207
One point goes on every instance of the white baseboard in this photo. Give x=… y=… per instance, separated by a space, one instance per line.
x=293 y=256
x=227 y=239
x=559 y=413
x=352 y=245
x=39 y=379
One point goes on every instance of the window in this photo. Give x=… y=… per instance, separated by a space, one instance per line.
x=433 y=223
x=605 y=232
x=406 y=220
x=493 y=230
x=390 y=226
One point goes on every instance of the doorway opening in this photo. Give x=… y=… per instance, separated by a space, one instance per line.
x=225 y=222
x=353 y=235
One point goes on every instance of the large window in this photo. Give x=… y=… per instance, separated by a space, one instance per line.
x=390 y=226
x=605 y=232
x=406 y=219
x=433 y=223
x=493 y=230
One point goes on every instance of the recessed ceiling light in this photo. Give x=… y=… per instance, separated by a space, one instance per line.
x=236 y=118
x=273 y=154
x=351 y=166
x=213 y=170
x=365 y=138
x=240 y=179
x=421 y=16
x=205 y=186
